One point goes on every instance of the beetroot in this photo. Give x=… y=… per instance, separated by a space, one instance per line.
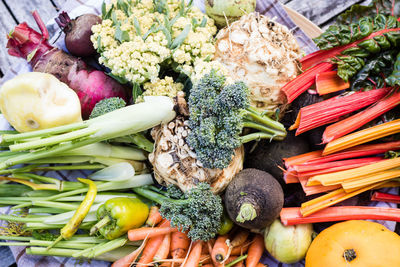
x=91 y=85
x=77 y=33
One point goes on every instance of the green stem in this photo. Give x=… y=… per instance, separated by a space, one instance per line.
x=53 y=140
x=44 y=226
x=70 y=167
x=44 y=132
x=100 y=224
x=138 y=139
x=53 y=204
x=239 y=259
x=260 y=127
x=256 y=116
x=14 y=244
x=156 y=197
x=15 y=238
x=46 y=210
x=60 y=252
x=11 y=218
x=87 y=251
x=247 y=212
x=104 y=248
x=61 y=244
x=258 y=136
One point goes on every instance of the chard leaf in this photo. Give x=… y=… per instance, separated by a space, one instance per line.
x=178 y=41
x=394 y=78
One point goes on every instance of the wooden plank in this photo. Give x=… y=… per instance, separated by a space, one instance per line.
x=7 y=23
x=22 y=11
x=319 y=11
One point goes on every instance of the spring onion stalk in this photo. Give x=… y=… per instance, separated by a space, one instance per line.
x=44 y=226
x=53 y=204
x=64 y=217
x=121 y=122
x=14 y=244
x=46 y=210
x=15 y=238
x=61 y=244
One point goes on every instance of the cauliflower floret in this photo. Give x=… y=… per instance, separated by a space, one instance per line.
x=133 y=39
x=161 y=87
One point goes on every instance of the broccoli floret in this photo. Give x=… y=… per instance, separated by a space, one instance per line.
x=218 y=114
x=107 y=105
x=199 y=211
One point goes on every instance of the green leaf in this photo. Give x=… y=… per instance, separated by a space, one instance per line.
x=178 y=41
x=203 y=22
x=32 y=54
x=137 y=26
x=103 y=9
x=121 y=80
x=114 y=18
x=109 y=12
x=394 y=78
x=136 y=92
x=99 y=48
x=120 y=35
x=150 y=31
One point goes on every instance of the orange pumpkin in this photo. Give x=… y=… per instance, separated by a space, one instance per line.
x=355 y=244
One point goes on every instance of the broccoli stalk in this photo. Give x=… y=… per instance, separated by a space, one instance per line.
x=198 y=210
x=218 y=114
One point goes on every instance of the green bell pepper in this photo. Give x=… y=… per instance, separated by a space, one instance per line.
x=118 y=215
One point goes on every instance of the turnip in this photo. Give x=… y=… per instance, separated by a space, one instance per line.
x=77 y=33
x=253 y=199
x=90 y=85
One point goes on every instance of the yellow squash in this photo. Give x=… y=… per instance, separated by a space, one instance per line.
x=35 y=101
x=355 y=244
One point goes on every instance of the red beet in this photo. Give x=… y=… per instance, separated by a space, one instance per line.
x=91 y=85
x=77 y=33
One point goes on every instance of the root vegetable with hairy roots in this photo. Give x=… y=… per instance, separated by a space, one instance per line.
x=263 y=54
x=175 y=162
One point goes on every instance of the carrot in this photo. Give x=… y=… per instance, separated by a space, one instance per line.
x=255 y=252
x=207 y=265
x=143 y=232
x=356 y=173
x=363 y=136
x=379 y=196
x=193 y=259
x=154 y=216
x=129 y=259
x=239 y=264
x=179 y=244
x=332 y=198
x=150 y=250
x=240 y=250
x=260 y=265
x=329 y=82
x=220 y=249
x=240 y=238
x=292 y=216
x=163 y=250
x=354 y=122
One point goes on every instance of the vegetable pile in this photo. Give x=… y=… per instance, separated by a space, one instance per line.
x=193 y=145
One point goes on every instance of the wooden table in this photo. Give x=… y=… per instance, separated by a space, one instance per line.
x=12 y=12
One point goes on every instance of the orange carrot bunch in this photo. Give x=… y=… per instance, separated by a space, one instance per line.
x=167 y=247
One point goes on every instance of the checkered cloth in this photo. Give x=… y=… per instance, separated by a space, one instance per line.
x=270 y=8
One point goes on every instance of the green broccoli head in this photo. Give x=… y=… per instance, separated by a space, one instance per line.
x=107 y=105
x=198 y=210
x=218 y=113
